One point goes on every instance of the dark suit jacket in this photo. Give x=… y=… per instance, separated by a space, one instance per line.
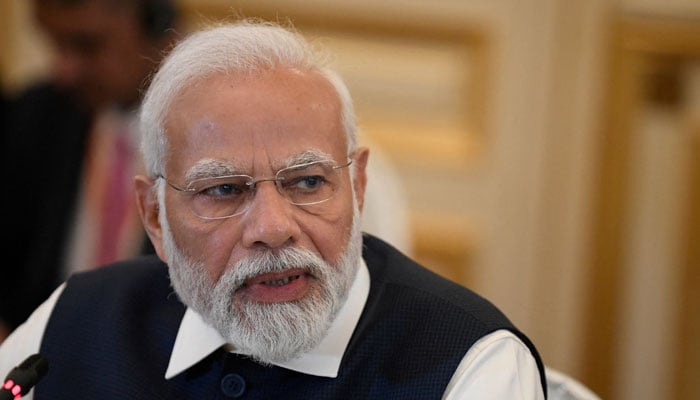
x=44 y=138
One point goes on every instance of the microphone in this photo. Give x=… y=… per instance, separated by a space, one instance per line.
x=23 y=377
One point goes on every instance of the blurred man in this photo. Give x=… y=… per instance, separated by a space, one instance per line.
x=70 y=150
x=252 y=197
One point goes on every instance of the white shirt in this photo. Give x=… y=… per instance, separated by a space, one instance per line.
x=498 y=366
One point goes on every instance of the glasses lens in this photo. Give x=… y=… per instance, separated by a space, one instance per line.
x=220 y=197
x=310 y=183
x=227 y=196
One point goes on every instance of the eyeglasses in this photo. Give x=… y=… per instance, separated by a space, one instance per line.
x=227 y=196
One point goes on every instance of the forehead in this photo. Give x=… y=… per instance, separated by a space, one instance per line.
x=255 y=121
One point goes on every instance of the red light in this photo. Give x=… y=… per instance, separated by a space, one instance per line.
x=15 y=389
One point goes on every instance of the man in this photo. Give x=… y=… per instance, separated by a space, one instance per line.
x=68 y=152
x=254 y=189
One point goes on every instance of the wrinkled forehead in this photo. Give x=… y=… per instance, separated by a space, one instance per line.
x=255 y=124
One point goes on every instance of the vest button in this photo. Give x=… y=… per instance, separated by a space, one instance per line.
x=233 y=385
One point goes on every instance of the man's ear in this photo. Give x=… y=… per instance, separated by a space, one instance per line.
x=149 y=210
x=360 y=180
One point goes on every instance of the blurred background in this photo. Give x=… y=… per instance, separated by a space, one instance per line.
x=546 y=154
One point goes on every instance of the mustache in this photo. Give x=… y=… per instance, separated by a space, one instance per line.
x=269 y=261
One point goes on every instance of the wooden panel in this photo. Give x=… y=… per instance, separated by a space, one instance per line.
x=642 y=50
x=611 y=198
x=687 y=368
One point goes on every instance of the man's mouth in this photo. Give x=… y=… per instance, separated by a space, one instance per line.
x=276 y=287
x=281 y=282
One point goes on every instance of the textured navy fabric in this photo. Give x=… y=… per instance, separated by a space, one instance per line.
x=112 y=331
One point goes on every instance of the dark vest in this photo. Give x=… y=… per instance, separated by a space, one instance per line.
x=112 y=331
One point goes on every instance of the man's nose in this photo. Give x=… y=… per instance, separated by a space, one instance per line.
x=269 y=220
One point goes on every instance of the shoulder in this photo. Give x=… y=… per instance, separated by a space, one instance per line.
x=111 y=321
x=434 y=309
x=55 y=107
x=135 y=269
x=392 y=270
x=111 y=298
x=120 y=285
x=39 y=94
x=45 y=124
x=498 y=366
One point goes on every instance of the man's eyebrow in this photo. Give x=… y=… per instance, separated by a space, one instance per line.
x=211 y=168
x=307 y=156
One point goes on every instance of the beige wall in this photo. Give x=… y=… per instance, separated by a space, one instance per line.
x=511 y=205
x=24 y=54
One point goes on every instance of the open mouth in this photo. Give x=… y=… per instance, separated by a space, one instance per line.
x=281 y=282
x=275 y=287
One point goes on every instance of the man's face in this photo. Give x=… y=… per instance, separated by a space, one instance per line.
x=101 y=52
x=256 y=126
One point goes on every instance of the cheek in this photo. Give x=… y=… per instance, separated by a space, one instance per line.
x=330 y=235
x=209 y=241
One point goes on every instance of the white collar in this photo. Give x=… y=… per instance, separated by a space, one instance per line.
x=196 y=339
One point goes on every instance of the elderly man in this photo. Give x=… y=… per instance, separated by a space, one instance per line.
x=252 y=201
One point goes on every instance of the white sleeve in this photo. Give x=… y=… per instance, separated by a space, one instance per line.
x=26 y=339
x=498 y=366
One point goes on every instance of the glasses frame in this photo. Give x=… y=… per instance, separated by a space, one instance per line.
x=252 y=183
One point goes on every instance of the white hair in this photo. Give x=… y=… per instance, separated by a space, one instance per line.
x=246 y=47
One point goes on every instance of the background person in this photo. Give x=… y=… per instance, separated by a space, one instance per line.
x=70 y=149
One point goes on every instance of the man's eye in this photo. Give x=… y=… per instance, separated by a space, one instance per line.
x=223 y=190
x=309 y=182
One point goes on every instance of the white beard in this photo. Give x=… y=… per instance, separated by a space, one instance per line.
x=267 y=332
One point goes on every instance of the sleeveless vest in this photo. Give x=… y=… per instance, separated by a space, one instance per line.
x=112 y=331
